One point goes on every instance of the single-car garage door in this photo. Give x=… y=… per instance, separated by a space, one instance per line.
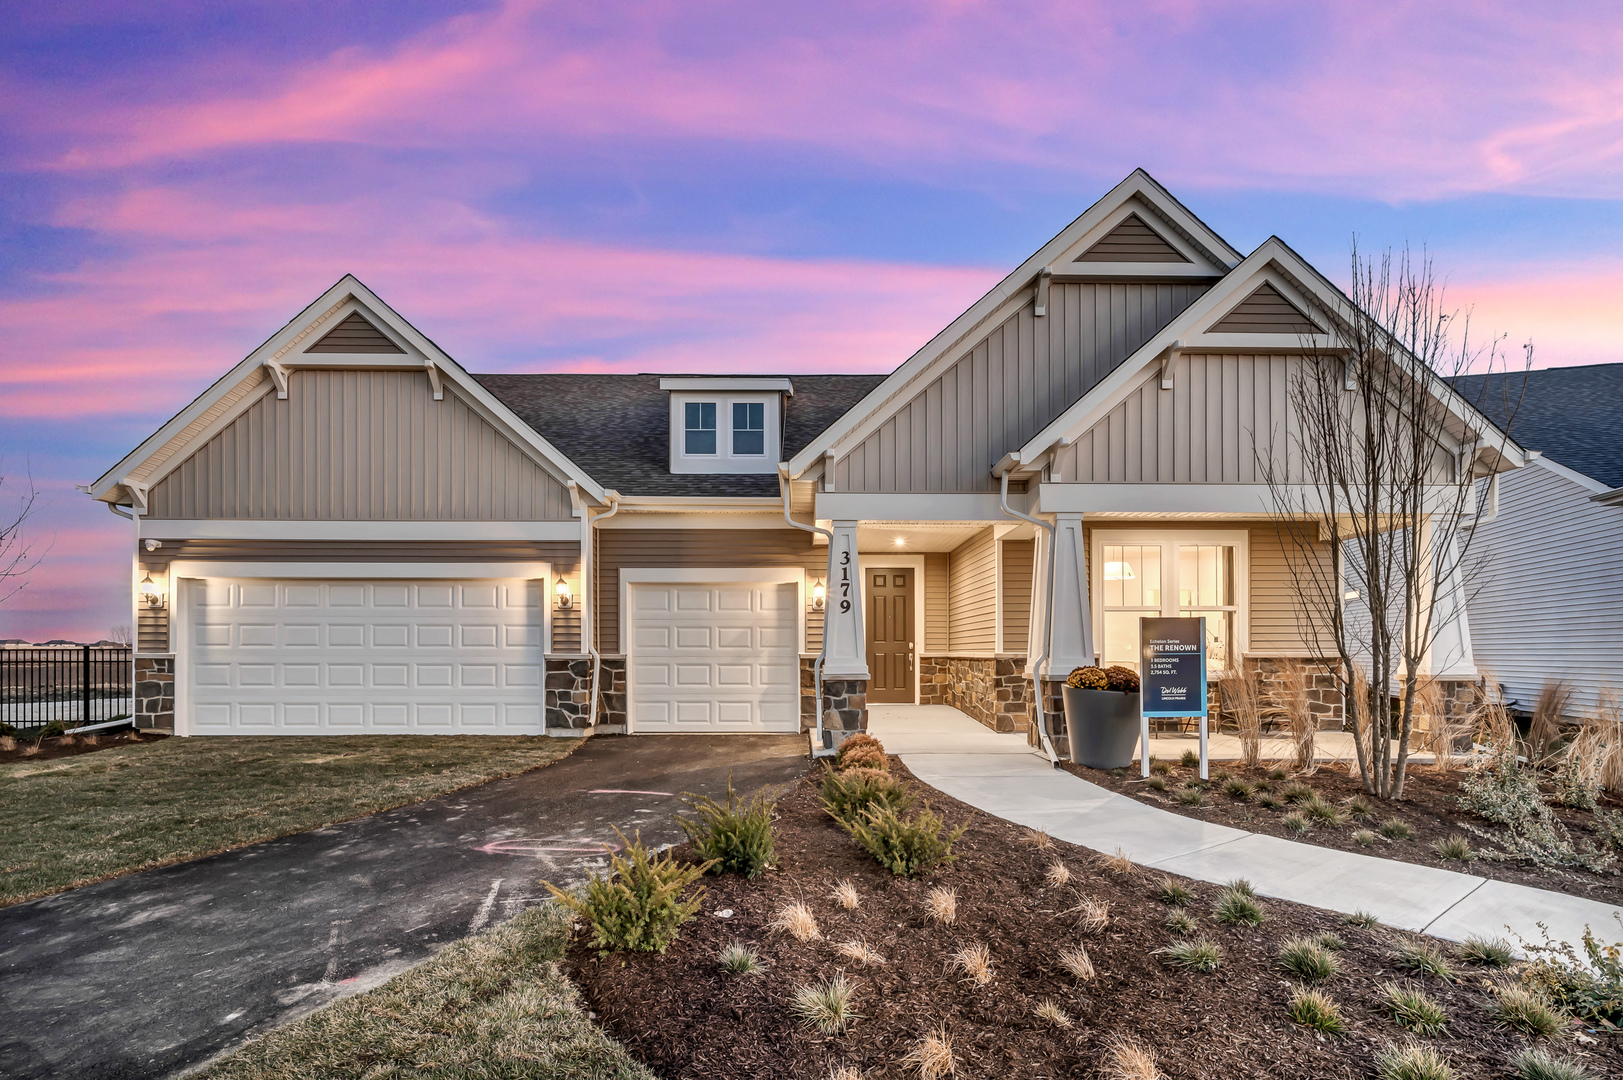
x=714 y=657
x=356 y=657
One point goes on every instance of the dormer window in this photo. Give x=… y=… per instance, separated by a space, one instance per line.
x=725 y=425
x=699 y=436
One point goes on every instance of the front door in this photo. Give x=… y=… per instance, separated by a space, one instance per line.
x=890 y=636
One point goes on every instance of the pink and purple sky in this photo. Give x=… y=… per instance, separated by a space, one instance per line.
x=702 y=186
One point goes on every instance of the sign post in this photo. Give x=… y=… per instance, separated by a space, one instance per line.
x=1172 y=658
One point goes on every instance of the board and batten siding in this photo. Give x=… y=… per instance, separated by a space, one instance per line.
x=699 y=548
x=1544 y=582
x=1224 y=411
x=972 y=595
x=1018 y=556
x=937 y=571
x=1008 y=386
x=360 y=446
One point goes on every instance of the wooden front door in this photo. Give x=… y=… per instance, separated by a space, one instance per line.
x=890 y=636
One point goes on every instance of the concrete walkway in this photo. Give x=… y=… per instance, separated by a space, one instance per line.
x=1002 y=776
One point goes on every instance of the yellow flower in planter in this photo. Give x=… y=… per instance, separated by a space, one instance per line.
x=1088 y=678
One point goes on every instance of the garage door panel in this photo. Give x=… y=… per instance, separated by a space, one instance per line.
x=427 y=656
x=747 y=635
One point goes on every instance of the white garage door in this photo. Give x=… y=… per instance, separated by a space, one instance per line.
x=714 y=658
x=356 y=657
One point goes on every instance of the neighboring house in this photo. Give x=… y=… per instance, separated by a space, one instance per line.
x=349 y=533
x=1546 y=601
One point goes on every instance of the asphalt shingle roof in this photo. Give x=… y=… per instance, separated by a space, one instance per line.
x=1574 y=415
x=617 y=427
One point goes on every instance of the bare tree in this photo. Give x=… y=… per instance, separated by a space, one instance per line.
x=1382 y=462
x=121 y=635
x=14 y=553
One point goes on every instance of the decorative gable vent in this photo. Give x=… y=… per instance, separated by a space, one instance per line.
x=1266 y=312
x=355 y=335
x=1132 y=241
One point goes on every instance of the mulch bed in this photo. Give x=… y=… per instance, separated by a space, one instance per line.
x=685 y=1017
x=1428 y=807
x=46 y=749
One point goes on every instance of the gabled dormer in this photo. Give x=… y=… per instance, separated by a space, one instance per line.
x=723 y=424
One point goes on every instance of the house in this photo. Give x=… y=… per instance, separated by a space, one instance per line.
x=1546 y=599
x=348 y=532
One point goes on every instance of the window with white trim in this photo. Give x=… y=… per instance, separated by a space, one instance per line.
x=725 y=432
x=749 y=428
x=1171 y=574
x=699 y=432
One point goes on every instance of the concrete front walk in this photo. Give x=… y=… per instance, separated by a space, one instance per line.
x=1002 y=776
x=147 y=975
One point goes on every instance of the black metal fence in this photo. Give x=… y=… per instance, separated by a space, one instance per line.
x=75 y=684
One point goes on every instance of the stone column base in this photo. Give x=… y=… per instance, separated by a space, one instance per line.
x=568 y=693
x=847 y=701
x=1054 y=718
x=155 y=692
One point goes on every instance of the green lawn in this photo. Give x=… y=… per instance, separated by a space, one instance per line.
x=70 y=821
x=494 y=1005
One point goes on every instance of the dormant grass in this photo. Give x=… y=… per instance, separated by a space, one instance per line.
x=1128 y=1059
x=941 y=903
x=826 y=1005
x=796 y=920
x=1092 y=915
x=975 y=961
x=1048 y=1009
x=1057 y=874
x=859 y=952
x=1076 y=960
x=845 y=894
x=932 y=1056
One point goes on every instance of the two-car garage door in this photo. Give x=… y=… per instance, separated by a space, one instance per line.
x=355 y=657
x=714 y=657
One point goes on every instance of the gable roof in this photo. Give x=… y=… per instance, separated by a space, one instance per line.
x=238 y=388
x=1570 y=414
x=618 y=427
x=1132 y=241
x=1265 y=311
x=1138 y=190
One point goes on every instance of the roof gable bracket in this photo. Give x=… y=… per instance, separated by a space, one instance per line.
x=278 y=374
x=1167 y=363
x=434 y=380
x=1044 y=276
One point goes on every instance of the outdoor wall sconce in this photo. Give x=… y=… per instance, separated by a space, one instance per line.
x=565 y=599
x=150 y=596
x=819 y=596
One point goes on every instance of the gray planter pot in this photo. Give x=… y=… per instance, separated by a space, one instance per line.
x=1102 y=726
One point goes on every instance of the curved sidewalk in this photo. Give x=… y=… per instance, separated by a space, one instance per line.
x=1002 y=776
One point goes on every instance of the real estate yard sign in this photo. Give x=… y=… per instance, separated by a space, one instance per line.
x=1172 y=662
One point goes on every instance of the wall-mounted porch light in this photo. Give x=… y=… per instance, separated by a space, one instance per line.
x=151 y=596
x=566 y=599
x=819 y=595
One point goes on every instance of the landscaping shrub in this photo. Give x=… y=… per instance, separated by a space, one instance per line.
x=1608 y=826
x=736 y=837
x=1160 y=768
x=1197 y=955
x=1425 y=958
x=1238 y=909
x=1332 y=942
x=1180 y=922
x=1577 y=779
x=1308 y=960
x=1589 y=988
x=797 y=920
x=739 y=959
x=859 y=952
x=1169 y=890
x=847 y=796
x=1363 y=919
x=1237 y=789
x=905 y=846
x=1412 y=1061
x=1088 y=678
x=1396 y=829
x=1057 y=874
x=845 y=894
x=941 y=903
x=1128 y=1059
x=1296 y=792
x=637 y=906
x=1537 y=1063
x=1297 y=822
x=1364 y=838
x=1156 y=783
x=1526 y=1011
x=861 y=751
x=1316 y=1010
x=1268 y=801
x=1413 y=1010
x=1192 y=796
x=1456 y=848
x=1190 y=759
x=1323 y=811
x=826 y=1005
x=1500 y=789
x=1092 y=915
x=1360 y=808
x=1487 y=952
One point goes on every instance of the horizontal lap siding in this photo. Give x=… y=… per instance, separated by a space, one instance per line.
x=1017 y=567
x=360 y=446
x=683 y=548
x=1545 y=588
x=1008 y=386
x=972 y=595
x=1224 y=411
x=936 y=591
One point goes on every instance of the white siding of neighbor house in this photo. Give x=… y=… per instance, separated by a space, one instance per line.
x=360 y=446
x=1208 y=429
x=1008 y=386
x=1547 y=599
x=972 y=595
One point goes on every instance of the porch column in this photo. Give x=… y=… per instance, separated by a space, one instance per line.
x=1073 y=617
x=845 y=667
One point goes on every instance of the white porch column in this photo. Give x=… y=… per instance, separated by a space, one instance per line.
x=847 y=640
x=1073 y=615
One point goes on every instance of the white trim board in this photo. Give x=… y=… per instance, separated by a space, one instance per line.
x=223 y=529
x=1170 y=538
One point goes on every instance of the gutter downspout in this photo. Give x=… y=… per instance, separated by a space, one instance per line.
x=588 y=584
x=1035 y=663
x=817 y=665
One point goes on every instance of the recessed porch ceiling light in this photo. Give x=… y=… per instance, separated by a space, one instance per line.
x=901 y=541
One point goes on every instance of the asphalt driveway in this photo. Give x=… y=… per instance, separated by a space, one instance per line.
x=152 y=974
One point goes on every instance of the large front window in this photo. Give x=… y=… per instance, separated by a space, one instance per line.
x=1167 y=575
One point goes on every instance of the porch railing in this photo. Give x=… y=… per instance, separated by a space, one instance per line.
x=75 y=684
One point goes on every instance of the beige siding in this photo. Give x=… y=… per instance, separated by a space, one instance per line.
x=618 y=548
x=360 y=446
x=1015 y=380
x=1208 y=429
x=566 y=624
x=937 y=568
x=1017 y=567
x=972 y=595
